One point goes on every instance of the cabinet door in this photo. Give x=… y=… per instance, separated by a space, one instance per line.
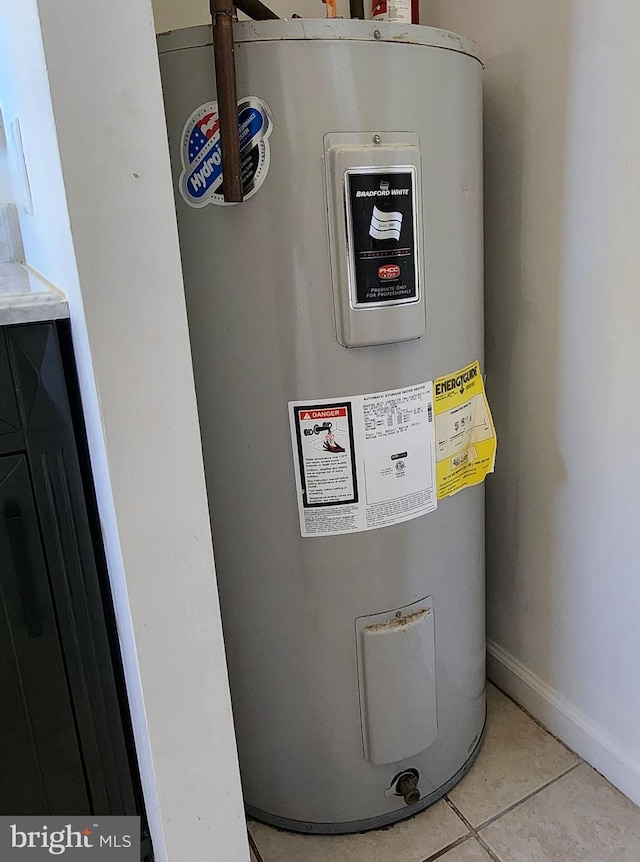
x=81 y=607
x=11 y=439
x=41 y=770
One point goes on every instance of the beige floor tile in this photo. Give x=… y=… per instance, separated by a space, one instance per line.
x=580 y=818
x=516 y=758
x=410 y=841
x=468 y=851
x=252 y=855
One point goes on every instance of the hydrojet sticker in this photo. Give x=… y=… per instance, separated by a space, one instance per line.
x=201 y=177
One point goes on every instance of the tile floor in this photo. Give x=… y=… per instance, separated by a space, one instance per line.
x=526 y=799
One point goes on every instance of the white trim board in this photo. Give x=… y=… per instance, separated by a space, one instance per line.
x=619 y=764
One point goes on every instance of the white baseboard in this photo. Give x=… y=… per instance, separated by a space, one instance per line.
x=619 y=764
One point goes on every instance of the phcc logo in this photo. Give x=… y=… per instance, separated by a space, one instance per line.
x=389 y=272
x=201 y=178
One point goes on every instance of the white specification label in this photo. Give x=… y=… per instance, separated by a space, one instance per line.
x=364 y=462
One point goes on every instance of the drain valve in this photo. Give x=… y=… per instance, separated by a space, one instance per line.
x=407 y=787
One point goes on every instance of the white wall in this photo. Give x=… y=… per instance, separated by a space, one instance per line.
x=103 y=230
x=175 y=14
x=6 y=193
x=562 y=188
x=24 y=95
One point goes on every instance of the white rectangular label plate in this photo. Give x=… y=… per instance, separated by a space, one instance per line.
x=365 y=461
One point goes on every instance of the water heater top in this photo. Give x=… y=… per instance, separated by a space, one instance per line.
x=313 y=29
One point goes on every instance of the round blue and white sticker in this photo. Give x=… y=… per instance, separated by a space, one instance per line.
x=201 y=177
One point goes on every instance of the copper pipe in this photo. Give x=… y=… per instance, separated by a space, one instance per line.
x=222 y=15
x=256 y=10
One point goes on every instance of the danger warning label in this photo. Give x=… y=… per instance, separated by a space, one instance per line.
x=364 y=462
x=333 y=413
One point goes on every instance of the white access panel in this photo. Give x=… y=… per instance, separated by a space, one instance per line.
x=399 y=710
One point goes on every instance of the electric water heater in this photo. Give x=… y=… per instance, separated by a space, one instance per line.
x=336 y=315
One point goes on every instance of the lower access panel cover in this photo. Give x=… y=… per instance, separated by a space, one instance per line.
x=396 y=668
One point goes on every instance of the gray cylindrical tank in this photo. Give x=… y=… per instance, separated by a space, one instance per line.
x=356 y=658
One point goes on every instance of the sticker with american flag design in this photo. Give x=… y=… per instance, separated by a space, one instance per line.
x=201 y=177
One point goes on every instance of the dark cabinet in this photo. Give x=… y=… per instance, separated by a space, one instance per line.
x=65 y=741
x=40 y=761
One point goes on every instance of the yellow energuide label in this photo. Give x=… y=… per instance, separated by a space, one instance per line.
x=465 y=436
